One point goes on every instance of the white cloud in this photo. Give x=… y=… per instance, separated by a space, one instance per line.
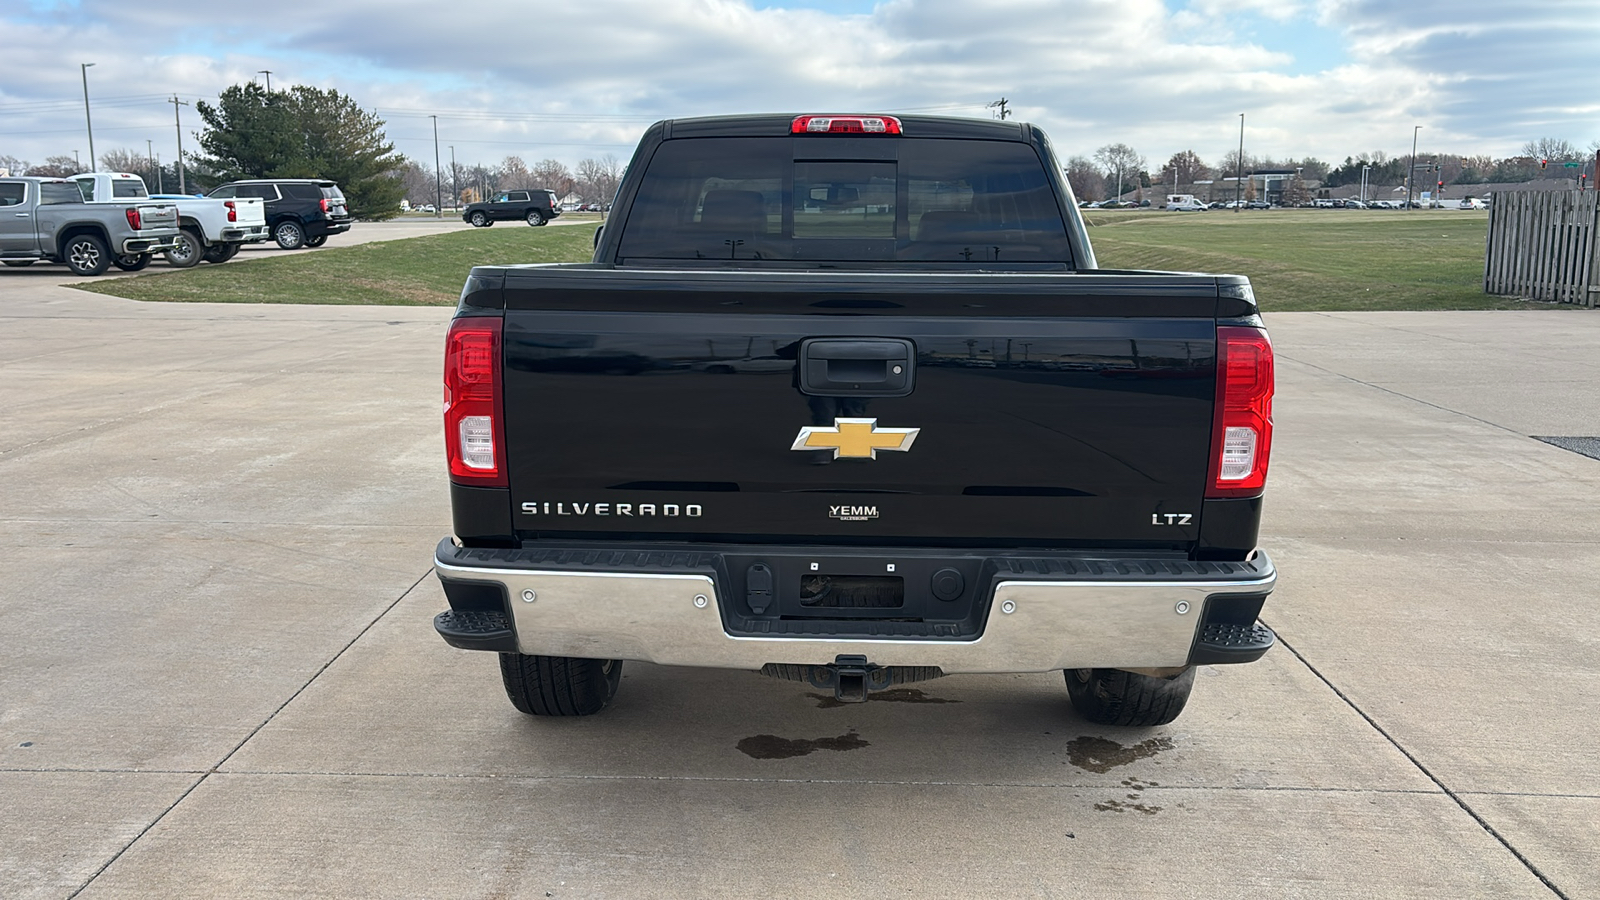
x=585 y=78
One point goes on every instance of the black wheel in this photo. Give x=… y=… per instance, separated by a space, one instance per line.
x=19 y=263
x=535 y=217
x=86 y=254
x=131 y=262
x=188 y=251
x=221 y=253
x=1115 y=697
x=289 y=235
x=480 y=219
x=559 y=685
x=317 y=241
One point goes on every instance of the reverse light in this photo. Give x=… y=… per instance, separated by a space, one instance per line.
x=845 y=125
x=474 y=427
x=1242 y=430
x=233 y=211
x=135 y=221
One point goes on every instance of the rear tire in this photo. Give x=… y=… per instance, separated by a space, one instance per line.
x=132 y=262
x=86 y=254
x=189 y=250
x=221 y=253
x=559 y=685
x=289 y=235
x=480 y=219
x=535 y=218
x=1115 y=697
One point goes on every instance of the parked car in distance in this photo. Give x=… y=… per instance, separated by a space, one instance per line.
x=1473 y=203
x=533 y=206
x=301 y=212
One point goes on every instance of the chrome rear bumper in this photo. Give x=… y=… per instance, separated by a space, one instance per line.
x=1032 y=625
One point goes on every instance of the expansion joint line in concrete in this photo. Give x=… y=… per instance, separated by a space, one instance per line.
x=1428 y=773
x=1394 y=393
x=247 y=738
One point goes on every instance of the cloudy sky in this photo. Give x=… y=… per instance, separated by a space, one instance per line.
x=569 y=79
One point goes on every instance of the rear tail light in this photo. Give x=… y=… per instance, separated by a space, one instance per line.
x=845 y=125
x=233 y=211
x=324 y=204
x=135 y=221
x=474 y=425
x=1242 y=433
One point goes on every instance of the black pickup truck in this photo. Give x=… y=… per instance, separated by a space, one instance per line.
x=846 y=400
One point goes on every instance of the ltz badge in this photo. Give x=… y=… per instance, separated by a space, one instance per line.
x=854 y=438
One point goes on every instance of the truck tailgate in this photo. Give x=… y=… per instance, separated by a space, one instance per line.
x=1037 y=409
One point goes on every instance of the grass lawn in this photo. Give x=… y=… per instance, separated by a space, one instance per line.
x=424 y=271
x=1321 y=259
x=1301 y=259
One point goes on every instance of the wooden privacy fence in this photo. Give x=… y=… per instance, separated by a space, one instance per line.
x=1542 y=246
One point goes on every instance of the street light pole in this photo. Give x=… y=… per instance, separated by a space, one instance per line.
x=438 y=176
x=1364 y=170
x=455 y=186
x=268 y=73
x=1238 y=182
x=83 y=68
x=1411 y=171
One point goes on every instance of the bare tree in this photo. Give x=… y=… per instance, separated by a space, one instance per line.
x=598 y=178
x=1119 y=161
x=1188 y=167
x=1085 y=179
x=13 y=166
x=62 y=166
x=553 y=175
x=1552 y=149
x=417 y=180
x=512 y=174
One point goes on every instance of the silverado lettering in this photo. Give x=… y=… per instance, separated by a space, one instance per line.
x=774 y=303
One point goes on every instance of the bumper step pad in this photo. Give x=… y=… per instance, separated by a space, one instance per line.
x=476 y=630
x=1221 y=642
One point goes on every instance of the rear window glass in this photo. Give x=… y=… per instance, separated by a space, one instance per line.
x=56 y=192
x=943 y=202
x=127 y=187
x=12 y=193
x=301 y=191
x=331 y=192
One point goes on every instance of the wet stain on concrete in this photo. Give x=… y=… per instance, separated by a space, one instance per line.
x=897 y=695
x=1131 y=804
x=770 y=746
x=1098 y=754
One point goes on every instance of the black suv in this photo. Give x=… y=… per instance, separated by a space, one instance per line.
x=533 y=206
x=301 y=212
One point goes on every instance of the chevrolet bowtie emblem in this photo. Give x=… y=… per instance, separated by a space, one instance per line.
x=854 y=438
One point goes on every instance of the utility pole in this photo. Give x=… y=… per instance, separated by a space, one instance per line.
x=1364 y=170
x=1238 y=182
x=268 y=73
x=1000 y=105
x=83 y=68
x=178 y=124
x=438 y=176
x=1411 y=171
x=455 y=186
x=150 y=153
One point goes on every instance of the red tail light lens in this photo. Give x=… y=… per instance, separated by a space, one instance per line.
x=134 y=220
x=1241 y=436
x=233 y=211
x=845 y=125
x=474 y=425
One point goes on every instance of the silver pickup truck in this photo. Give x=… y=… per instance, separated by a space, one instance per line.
x=47 y=219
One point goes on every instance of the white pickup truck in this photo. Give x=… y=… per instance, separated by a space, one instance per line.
x=212 y=230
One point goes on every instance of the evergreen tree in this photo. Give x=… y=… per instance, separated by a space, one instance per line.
x=303 y=132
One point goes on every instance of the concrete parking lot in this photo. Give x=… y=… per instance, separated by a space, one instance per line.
x=220 y=679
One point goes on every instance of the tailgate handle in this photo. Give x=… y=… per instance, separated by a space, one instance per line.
x=857 y=367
